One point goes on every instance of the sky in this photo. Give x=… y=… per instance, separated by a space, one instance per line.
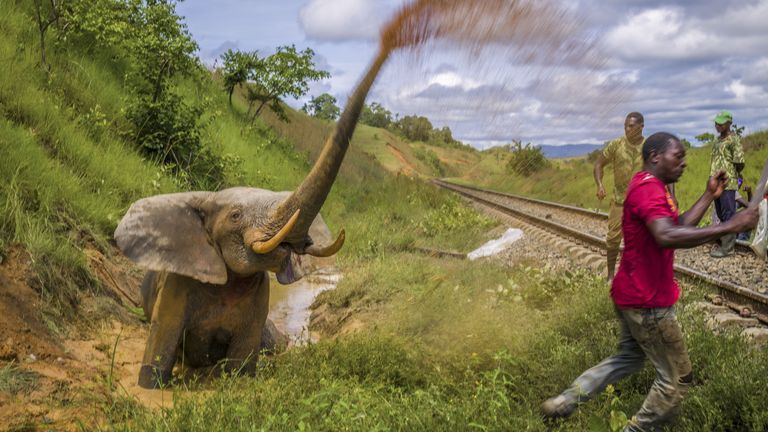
x=677 y=62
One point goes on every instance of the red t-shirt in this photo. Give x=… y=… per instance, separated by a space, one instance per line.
x=646 y=276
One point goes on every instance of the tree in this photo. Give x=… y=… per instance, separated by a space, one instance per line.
x=376 y=115
x=414 y=128
x=238 y=68
x=323 y=107
x=686 y=144
x=287 y=72
x=443 y=137
x=157 y=48
x=162 y=46
x=705 y=138
x=46 y=14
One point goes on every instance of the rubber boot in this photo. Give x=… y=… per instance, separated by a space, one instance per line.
x=728 y=244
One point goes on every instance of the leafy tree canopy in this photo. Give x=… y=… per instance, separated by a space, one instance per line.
x=376 y=115
x=705 y=137
x=323 y=107
x=287 y=72
x=238 y=68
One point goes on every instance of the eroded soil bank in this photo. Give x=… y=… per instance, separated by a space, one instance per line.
x=64 y=379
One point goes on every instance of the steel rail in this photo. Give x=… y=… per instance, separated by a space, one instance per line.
x=742 y=296
x=743 y=245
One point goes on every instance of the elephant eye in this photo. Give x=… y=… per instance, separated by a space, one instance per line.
x=236 y=216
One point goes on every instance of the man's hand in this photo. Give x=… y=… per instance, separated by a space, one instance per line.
x=717 y=183
x=600 y=192
x=744 y=220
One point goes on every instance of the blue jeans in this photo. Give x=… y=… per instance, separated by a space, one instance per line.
x=725 y=206
x=645 y=333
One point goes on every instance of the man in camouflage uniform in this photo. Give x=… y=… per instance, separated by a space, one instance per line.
x=625 y=154
x=728 y=156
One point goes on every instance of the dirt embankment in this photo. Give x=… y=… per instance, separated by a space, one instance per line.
x=67 y=379
x=407 y=167
x=60 y=380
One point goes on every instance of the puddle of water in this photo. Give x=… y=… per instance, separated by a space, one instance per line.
x=289 y=304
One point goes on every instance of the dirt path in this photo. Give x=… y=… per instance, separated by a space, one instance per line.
x=408 y=168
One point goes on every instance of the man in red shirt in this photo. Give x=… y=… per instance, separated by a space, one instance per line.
x=644 y=290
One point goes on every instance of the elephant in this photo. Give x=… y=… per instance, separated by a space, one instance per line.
x=206 y=292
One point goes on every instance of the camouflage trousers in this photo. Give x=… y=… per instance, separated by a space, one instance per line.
x=613 y=238
x=654 y=334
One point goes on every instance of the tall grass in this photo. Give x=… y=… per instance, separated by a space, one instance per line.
x=462 y=346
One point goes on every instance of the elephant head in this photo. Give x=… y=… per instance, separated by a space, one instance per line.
x=211 y=236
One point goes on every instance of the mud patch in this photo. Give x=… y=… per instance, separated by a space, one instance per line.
x=23 y=332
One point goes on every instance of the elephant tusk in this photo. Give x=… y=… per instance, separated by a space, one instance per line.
x=326 y=251
x=264 y=247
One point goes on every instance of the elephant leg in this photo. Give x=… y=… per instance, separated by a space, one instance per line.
x=165 y=333
x=246 y=343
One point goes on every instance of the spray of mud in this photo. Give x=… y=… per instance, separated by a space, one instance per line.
x=519 y=59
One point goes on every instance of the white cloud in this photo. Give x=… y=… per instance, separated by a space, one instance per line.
x=738 y=89
x=659 y=33
x=341 y=20
x=672 y=33
x=453 y=79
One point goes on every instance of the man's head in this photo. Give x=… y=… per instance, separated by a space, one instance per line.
x=664 y=156
x=723 y=121
x=633 y=126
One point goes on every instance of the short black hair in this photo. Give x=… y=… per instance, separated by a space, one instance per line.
x=657 y=143
x=635 y=115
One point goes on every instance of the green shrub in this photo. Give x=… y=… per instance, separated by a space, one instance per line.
x=430 y=159
x=526 y=160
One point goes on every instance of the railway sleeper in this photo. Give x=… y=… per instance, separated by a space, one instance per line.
x=730 y=317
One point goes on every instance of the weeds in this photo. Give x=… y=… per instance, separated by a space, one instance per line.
x=14 y=380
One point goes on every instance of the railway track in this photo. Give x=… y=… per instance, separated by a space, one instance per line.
x=569 y=222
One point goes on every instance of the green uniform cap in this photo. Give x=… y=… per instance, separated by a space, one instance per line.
x=723 y=117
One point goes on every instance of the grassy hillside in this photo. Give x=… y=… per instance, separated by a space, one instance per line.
x=71 y=170
x=444 y=345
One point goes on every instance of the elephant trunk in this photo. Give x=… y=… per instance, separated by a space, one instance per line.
x=311 y=194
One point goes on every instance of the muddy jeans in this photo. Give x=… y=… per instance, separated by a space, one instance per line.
x=645 y=333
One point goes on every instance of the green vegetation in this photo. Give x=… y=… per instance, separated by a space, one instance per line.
x=323 y=107
x=447 y=345
x=287 y=72
x=526 y=160
x=14 y=380
x=237 y=69
x=463 y=346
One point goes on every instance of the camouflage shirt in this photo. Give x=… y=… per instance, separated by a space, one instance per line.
x=627 y=159
x=725 y=153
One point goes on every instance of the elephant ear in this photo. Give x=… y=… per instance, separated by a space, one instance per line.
x=167 y=233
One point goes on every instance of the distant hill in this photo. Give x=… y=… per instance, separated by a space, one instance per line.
x=568 y=150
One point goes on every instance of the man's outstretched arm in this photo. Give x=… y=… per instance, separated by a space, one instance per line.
x=715 y=187
x=668 y=234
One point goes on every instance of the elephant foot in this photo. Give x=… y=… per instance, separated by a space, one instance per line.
x=151 y=377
